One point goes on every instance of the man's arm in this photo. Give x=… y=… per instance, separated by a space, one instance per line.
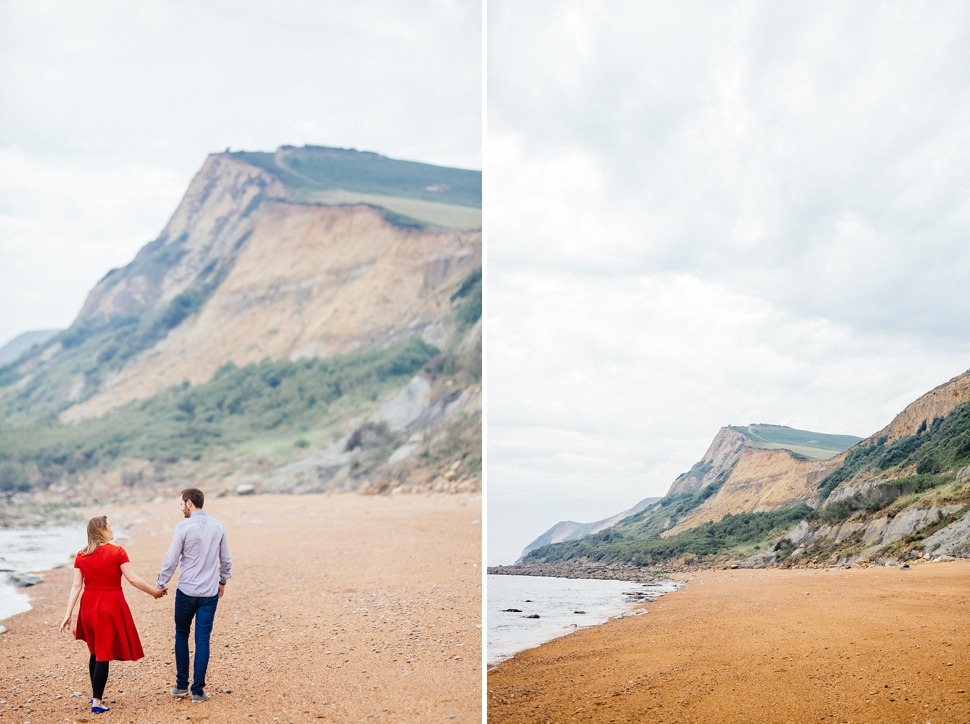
x=225 y=560
x=225 y=564
x=171 y=559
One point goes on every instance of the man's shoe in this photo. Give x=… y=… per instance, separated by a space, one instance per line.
x=180 y=693
x=199 y=698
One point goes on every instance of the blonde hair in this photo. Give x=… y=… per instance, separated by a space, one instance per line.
x=96 y=534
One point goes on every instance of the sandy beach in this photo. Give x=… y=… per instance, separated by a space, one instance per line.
x=342 y=608
x=857 y=645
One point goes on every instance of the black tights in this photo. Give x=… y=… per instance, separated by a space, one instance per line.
x=99 y=676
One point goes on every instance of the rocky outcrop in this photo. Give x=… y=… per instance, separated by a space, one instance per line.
x=406 y=428
x=952 y=540
x=871 y=537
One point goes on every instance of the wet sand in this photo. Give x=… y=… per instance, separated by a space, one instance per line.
x=342 y=608
x=859 y=645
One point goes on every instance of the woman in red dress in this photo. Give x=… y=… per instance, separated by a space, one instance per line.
x=104 y=620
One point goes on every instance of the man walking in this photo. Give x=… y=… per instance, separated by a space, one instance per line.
x=200 y=547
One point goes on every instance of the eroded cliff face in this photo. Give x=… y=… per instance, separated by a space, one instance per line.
x=303 y=281
x=938 y=402
x=760 y=480
x=748 y=479
x=901 y=494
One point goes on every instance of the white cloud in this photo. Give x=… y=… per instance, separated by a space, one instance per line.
x=63 y=224
x=777 y=149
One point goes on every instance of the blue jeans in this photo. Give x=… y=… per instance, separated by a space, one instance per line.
x=203 y=609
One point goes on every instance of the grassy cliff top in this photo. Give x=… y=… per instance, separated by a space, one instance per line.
x=319 y=168
x=816 y=445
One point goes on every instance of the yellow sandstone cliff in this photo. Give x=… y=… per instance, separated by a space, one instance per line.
x=290 y=281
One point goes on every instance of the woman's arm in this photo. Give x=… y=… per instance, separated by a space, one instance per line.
x=134 y=579
x=72 y=599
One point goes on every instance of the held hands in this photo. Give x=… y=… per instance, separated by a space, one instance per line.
x=159 y=592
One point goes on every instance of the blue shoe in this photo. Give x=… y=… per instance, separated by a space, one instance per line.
x=99 y=709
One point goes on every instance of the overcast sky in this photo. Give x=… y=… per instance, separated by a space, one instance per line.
x=705 y=214
x=107 y=110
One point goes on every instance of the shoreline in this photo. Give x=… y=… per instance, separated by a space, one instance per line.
x=603 y=573
x=761 y=645
x=341 y=606
x=32 y=514
x=27 y=555
x=562 y=607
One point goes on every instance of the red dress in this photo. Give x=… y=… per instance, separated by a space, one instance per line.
x=104 y=620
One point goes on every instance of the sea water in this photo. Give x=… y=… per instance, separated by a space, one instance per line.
x=31 y=550
x=557 y=602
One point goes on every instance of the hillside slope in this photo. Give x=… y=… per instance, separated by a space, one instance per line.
x=571 y=530
x=754 y=468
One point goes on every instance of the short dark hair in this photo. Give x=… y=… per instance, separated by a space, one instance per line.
x=195 y=495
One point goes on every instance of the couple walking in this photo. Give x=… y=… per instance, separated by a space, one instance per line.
x=104 y=620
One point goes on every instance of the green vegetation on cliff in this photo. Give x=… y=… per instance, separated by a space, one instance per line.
x=942 y=445
x=407 y=193
x=93 y=348
x=707 y=541
x=877 y=498
x=470 y=292
x=184 y=422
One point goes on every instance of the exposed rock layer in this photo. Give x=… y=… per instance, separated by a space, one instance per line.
x=936 y=403
x=760 y=480
x=308 y=281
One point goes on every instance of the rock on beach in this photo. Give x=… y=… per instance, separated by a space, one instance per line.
x=24 y=580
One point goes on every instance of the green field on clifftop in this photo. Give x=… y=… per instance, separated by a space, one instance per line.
x=414 y=193
x=814 y=445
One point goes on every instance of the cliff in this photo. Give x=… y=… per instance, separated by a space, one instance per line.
x=308 y=281
x=290 y=298
x=760 y=480
x=765 y=495
x=749 y=469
